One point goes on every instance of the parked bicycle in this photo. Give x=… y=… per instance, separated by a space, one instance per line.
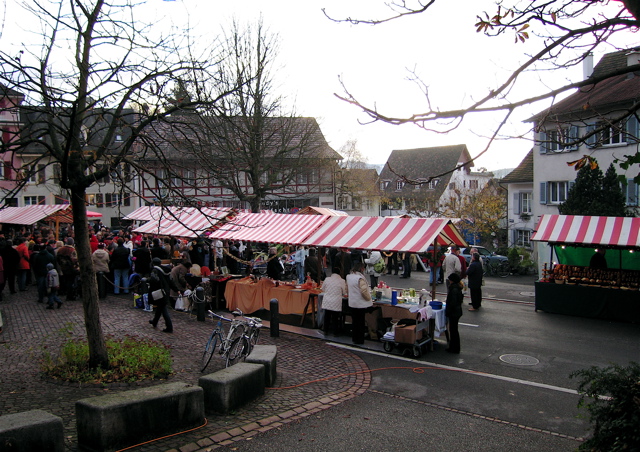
x=231 y=347
x=497 y=268
x=241 y=346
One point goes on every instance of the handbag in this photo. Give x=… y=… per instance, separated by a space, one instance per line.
x=157 y=295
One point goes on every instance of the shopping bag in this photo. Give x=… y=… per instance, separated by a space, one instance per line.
x=179 y=303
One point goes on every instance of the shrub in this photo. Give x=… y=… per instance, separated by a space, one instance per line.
x=130 y=359
x=614 y=406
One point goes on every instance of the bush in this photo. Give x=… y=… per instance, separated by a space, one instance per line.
x=130 y=359
x=614 y=406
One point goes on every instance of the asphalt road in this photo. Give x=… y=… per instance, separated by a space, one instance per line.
x=509 y=388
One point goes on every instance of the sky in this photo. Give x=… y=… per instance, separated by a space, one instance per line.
x=374 y=63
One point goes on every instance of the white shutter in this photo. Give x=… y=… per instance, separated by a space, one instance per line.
x=543 y=192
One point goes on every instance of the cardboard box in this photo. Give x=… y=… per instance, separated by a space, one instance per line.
x=407 y=334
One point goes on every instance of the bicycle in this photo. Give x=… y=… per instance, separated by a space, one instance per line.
x=497 y=268
x=241 y=346
x=217 y=340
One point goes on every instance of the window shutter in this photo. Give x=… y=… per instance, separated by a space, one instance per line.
x=516 y=203
x=632 y=193
x=7 y=171
x=543 y=142
x=574 y=133
x=592 y=140
x=632 y=130
x=543 y=192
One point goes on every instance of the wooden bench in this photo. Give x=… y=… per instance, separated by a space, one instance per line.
x=31 y=430
x=266 y=355
x=232 y=387
x=115 y=421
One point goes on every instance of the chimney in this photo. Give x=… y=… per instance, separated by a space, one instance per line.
x=587 y=66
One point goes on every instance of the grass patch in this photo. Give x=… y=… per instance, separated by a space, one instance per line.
x=130 y=359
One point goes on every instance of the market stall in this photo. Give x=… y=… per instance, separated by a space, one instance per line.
x=189 y=222
x=572 y=284
x=53 y=214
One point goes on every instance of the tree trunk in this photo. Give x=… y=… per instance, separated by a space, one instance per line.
x=255 y=204
x=98 y=356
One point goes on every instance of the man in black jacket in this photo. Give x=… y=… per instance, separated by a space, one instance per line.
x=121 y=266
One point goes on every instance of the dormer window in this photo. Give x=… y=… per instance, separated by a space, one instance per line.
x=399 y=185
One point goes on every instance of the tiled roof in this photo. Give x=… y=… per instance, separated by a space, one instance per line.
x=523 y=172
x=423 y=163
x=602 y=98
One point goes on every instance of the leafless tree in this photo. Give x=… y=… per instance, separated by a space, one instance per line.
x=566 y=32
x=354 y=179
x=252 y=143
x=97 y=82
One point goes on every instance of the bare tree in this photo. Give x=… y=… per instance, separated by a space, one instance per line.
x=94 y=86
x=251 y=143
x=354 y=181
x=567 y=31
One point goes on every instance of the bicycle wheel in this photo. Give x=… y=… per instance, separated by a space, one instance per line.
x=237 y=351
x=503 y=269
x=253 y=338
x=209 y=350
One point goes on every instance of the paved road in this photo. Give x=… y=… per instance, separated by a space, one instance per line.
x=330 y=395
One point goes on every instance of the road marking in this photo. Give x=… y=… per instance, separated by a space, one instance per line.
x=459 y=369
x=469 y=324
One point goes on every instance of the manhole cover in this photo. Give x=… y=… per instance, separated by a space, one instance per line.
x=519 y=360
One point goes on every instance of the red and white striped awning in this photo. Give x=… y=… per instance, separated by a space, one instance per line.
x=270 y=228
x=587 y=230
x=179 y=222
x=38 y=212
x=385 y=233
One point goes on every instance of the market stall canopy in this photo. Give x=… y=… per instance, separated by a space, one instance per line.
x=180 y=222
x=60 y=213
x=580 y=230
x=310 y=210
x=270 y=228
x=413 y=235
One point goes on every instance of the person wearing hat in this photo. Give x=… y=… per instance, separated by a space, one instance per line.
x=159 y=280
x=53 y=284
x=453 y=311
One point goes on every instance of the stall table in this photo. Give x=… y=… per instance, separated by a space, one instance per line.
x=250 y=296
x=588 y=301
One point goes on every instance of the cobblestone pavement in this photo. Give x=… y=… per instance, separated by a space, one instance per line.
x=30 y=330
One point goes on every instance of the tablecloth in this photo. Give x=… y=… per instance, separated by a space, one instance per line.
x=249 y=296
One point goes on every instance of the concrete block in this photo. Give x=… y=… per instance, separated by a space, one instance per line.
x=267 y=355
x=115 y=421
x=232 y=387
x=31 y=430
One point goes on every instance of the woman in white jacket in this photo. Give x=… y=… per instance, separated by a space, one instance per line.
x=359 y=301
x=374 y=258
x=333 y=288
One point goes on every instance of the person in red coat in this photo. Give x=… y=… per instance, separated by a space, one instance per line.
x=23 y=264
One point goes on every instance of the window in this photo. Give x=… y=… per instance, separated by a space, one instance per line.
x=452 y=186
x=433 y=183
x=399 y=185
x=33 y=200
x=559 y=139
x=612 y=134
x=419 y=185
x=558 y=192
x=314 y=176
x=384 y=184
x=303 y=178
x=522 y=203
x=523 y=238
x=473 y=184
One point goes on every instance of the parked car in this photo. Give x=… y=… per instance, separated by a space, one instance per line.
x=486 y=255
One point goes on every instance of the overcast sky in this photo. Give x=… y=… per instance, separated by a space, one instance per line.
x=374 y=62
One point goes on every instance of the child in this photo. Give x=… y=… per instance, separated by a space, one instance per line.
x=53 y=284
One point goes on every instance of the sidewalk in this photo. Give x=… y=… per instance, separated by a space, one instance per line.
x=30 y=330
